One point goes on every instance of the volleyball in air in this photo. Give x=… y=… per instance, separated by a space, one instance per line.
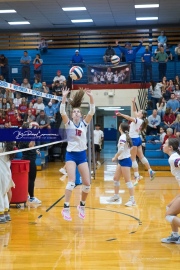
x=115 y=60
x=76 y=73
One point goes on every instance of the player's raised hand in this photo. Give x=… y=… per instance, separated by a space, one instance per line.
x=118 y=114
x=65 y=91
x=88 y=92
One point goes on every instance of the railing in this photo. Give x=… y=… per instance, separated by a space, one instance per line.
x=49 y=71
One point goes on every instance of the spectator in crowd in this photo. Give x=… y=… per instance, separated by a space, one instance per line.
x=166 y=94
x=162 y=59
x=37 y=66
x=108 y=54
x=177 y=92
x=26 y=83
x=55 y=105
x=4 y=67
x=17 y=100
x=154 y=121
x=1 y=99
x=171 y=86
x=164 y=82
x=162 y=40
x=5 y=105
x=23 y=107
x=161 y=107
x=168 y=51
x=51 y=114
x=14 y=119
x=43 y=46
x=98 y=139
x=14 y=81
x=29 y=117
x=30 y=107
x=162 y=134
x=177 y=52
x=1 y=92
x=57 y=89
x=37 y=85
x=60 y=78
x=95 y=78
x=173 y=103
x=45 y=88
x=147 y=60
x=169 y=118
x=109 y=76
x=157 y=50
x=155 y=89
x=177 y=126
x=9 y=94
x=39 y=105
x=130 y=54
x=3 y=118
x=169 y=134
x=25 y=61
x=77 y=58
x=176 y=80
x=43 y=120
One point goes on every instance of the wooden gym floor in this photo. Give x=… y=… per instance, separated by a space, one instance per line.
x=111 y=237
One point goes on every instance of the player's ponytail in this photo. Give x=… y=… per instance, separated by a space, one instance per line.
x=76 y=101
x=125 y=129
x=145 y=121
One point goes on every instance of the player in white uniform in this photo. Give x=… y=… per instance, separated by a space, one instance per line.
x=76 y=149
x=6 y=181
x=139 y=122
x=171 y=147
x=124 y=165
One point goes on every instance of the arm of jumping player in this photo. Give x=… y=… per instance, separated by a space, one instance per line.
x=62 y=110
x=92 y=106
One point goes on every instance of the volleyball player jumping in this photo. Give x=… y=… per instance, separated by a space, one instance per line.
x=76 y=149
x=139 y=122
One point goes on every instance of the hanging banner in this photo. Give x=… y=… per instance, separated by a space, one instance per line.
x=28 y=91
x=109 y=74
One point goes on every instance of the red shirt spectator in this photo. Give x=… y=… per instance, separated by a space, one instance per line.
x=169 y=117
x=15 y=119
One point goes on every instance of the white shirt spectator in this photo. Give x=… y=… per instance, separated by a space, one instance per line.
x=39 y=107
x=98 y=135
x=17 y=102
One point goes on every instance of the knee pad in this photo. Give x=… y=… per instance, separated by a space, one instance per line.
x=170 y=218
x=129 y=184
x=116 y=183
x=86 y=189
x=134 y=164
x=144 y=160
x=70 y=186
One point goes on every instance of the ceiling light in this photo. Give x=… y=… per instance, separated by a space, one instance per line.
x=146 y=18
x=147 y=6
x=7 y=11
x=18 y=23
x=73 y=8
x=82 y=21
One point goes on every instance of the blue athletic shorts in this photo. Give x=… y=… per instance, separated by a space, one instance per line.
x=136 y=141
x=126 y=162
x=77 y=157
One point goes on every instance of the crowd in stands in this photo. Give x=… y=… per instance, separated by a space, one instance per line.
x=165 y=103
x=17 y=109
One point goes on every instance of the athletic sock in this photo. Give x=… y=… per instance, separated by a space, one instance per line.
x=132 y=198
x=136 y=174
x=66 y=205
x=82 y=203
x=175 y=234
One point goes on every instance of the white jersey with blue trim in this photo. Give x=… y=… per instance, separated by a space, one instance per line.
x=126 y=151
x=76 y=136
x=174 y=160
x=135 y=128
